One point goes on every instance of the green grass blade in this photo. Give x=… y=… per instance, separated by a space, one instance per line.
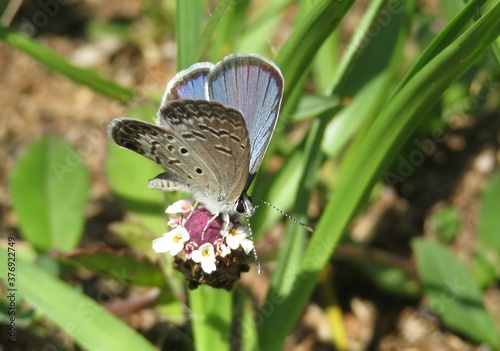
x=489 y=221
x=211 y=312
x=287 y=178
x=58 y=64
x=445 y=38
x=267 y=22
x=367 y=72
x=189 y=17
x=326 y=63
x=229 y=30
x=296 y=55
x=88 y=323
x=295 y=237
x=360 y=173
x=359 y=41
x=212 y=24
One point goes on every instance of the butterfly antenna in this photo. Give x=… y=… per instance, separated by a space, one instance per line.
x=303 y=225
x=257 y=262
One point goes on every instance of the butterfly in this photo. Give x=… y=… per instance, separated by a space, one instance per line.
x=213 y=128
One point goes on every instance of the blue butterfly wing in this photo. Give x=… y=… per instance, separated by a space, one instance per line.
x=188 y=84
x=254 y=85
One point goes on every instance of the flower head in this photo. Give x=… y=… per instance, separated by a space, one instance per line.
x=206 y=249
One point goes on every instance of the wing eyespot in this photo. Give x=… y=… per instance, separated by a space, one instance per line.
x=183 y=151
x=199 y=170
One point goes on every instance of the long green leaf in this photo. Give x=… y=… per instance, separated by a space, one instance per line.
x=295 y=237
x=445 y=38
x=60 y=65
x=267 y=21
x=360 y=173
x=211 y=312
x=139 y=270
x=188 y=31
x=85 y=321
x=212 y=24
x=368 y=70
x=296 y=56
x=489 y=221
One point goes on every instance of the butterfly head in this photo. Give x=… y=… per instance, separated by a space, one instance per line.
x=244 y=205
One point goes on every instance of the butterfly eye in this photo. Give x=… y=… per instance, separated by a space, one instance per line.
x=240 y=207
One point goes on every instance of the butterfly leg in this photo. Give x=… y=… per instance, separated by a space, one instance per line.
x=225 y=225
x=207 y=225
x=190 y=214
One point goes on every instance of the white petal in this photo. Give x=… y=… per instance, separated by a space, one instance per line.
x=233 y=241
x=161 y=245
x=247 y=245
x=224 y=250
x=176 y=248
x=196 y=256
x=180 y=232
x=181 y=206
x=207 y=247
x=208 y=266
x=236 y=236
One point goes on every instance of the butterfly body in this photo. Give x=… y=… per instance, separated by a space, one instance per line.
x=213 y=127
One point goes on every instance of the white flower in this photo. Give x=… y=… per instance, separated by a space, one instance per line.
x=172 y=242
x=237 y=236
x=181 y=206
x=206 y=256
